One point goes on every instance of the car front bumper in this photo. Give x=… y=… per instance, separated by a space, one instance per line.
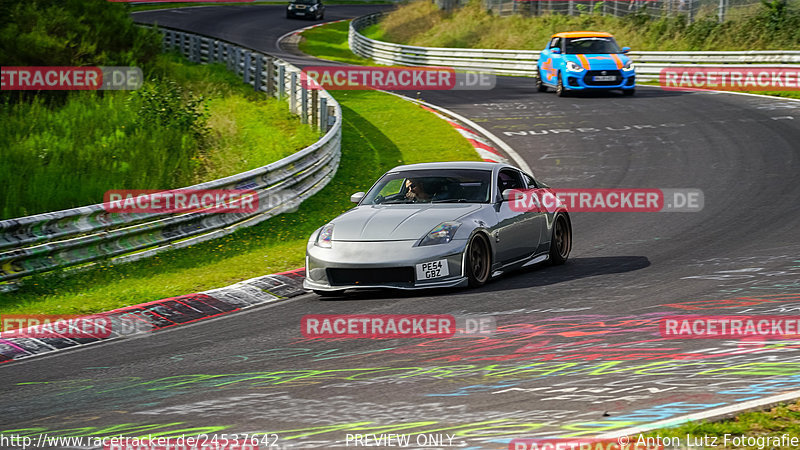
x=584 y=80
x=381 y=264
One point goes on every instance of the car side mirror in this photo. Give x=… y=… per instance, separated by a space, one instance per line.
x=355 y=198
x=508 y=194
x=555 y=51
x=626 y=49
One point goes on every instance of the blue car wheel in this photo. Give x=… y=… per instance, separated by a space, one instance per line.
x=561 y=91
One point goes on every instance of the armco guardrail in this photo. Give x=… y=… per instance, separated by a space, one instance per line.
x=53 y=240
x=523 y=62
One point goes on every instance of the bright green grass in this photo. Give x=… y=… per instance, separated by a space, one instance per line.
x=783 y=419
x=65 y=156
x=330 y=42
x=422 y=23
x=380 y=131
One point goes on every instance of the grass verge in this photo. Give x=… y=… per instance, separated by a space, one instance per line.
x=137 y=139
x=778 y=421
x=380 y=131
x=330 y=42
x=769 y=26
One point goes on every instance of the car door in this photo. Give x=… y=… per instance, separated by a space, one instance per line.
x=517 y=233
x=538 y=220
x=551 y=62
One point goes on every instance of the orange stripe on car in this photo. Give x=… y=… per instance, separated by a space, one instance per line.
x=584 y=62
x=617 y=60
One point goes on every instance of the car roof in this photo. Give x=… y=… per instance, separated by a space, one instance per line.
x=475 y=165
x=580 y=34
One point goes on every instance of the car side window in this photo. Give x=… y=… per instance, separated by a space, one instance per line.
x=529 y=181
x=508 y=179
x=393 y=187
x=555 y=42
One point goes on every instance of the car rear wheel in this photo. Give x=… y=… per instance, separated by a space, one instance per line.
x=539 y=84
x=478 y=261
x=561 y=243
x=560 y=91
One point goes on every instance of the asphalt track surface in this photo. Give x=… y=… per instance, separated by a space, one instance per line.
x=579 y=352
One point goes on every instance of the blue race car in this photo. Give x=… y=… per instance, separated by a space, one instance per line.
x=585 y=60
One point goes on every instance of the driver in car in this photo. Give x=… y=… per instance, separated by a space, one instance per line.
x=415 y=191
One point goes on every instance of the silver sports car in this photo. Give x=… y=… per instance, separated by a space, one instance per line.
x=437 y=225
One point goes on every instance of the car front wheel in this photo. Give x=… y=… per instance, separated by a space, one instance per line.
x=560 y=91
x=561 y=242
x=478 y=261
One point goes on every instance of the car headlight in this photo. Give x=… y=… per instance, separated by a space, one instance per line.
x=290 y=7
x=574 y=67
x=628 y=66
x=440 y=234
x=312 y=7
x=324 y=237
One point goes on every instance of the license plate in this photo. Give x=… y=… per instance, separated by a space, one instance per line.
x=433 y=269
x=300 y=13
x=604 y=78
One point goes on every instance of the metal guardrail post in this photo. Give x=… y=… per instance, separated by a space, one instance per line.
x=281 y=81
x=323 y=114
x=258 y=81
x=194 y=45
x=270 y=77
x=228 y=57
x=314 y=108
x=293 y=92
x=247 y=57
x=331 y=118
x=304 y=104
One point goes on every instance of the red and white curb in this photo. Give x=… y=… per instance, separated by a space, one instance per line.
x=159 y=314
x=298 y=31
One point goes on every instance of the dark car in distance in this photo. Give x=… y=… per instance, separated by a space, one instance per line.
x=313 y=9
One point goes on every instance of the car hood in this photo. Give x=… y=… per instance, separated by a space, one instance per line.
x=396 y=222
x=599 y=61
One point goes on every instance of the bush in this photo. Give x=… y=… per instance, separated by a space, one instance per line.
x=164 y=103
x=73 y=33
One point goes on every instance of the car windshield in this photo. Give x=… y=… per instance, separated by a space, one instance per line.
x=431 y=186
x=592 y=45
x=303 y=2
